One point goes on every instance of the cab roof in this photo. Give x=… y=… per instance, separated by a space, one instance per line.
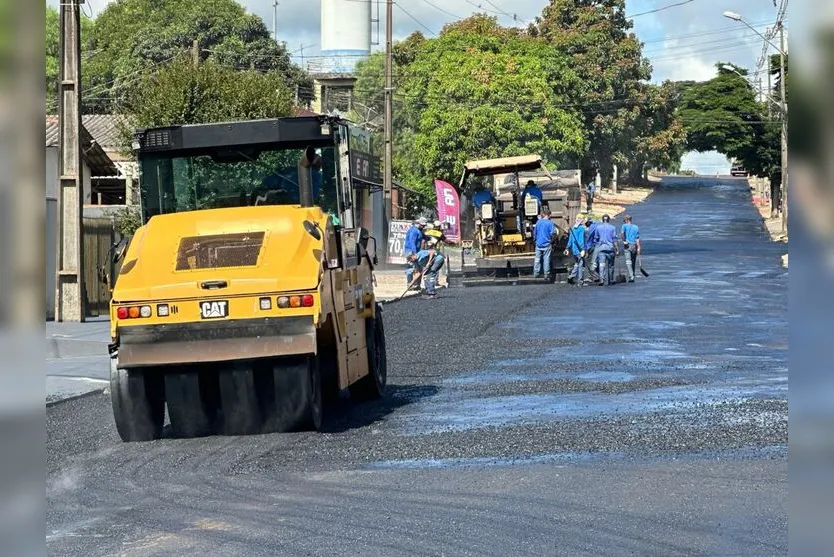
x=291 y=132
x=506 y=164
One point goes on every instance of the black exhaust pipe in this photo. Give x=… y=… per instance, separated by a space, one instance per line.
x=306 y=163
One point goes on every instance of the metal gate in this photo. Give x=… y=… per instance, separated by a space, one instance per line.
x=99 y=235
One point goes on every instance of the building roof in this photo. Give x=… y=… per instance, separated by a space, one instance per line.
x=100 y=164
x=105 y=128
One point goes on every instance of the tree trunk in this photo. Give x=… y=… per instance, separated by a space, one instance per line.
x=775 y=194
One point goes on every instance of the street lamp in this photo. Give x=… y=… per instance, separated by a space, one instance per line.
x=754 y=85
x=736 y=17
x=783 y=108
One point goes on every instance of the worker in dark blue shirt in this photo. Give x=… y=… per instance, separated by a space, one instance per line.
x=606 y=241
x=543 y=234
x=413 y=244
x=630 y=234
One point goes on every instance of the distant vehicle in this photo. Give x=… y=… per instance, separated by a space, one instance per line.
x=738 y=170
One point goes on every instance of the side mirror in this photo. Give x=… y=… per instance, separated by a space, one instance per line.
x=364 y=236
x=312 y=229
x=117 y=250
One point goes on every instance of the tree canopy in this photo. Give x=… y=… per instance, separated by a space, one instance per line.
x=181 y=93
x=53 y=52
x=723 y=115
x=131 y=38
x=597 y=38
x=478 y=90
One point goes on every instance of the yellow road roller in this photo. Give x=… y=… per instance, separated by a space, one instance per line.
x=245 y=302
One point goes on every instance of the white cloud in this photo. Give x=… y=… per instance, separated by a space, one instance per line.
x=696 y=35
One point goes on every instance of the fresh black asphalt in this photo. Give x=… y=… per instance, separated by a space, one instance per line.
x=646 y=418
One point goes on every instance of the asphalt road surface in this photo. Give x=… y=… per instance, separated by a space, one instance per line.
x=647 y=418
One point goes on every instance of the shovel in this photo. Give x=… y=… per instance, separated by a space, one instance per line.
x=620 y=278
x=644 y=272
x=419 y=277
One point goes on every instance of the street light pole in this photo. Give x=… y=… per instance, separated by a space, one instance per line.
x=389 y=134
x=784 y=100
x=783 y=105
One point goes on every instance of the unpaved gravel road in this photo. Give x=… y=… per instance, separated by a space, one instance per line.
x=646 y=418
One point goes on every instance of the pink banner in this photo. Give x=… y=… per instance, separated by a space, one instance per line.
x=448 y=209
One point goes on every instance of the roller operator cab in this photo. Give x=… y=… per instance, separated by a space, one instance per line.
x=508 y=195
x=245 y=301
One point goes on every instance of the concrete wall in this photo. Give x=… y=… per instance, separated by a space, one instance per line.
x=51 y=227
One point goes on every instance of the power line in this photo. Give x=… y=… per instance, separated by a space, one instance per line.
x=439 y=9
x=514 y=17
x=660 y=9
x=420 y=23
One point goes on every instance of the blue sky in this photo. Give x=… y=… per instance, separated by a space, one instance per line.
x=682 y=42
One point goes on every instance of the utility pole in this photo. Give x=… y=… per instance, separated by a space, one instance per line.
x=70 y=291
x=195 y=52
x=389 y=135
x=275 y=20
x=782 y=79
x=769 y=90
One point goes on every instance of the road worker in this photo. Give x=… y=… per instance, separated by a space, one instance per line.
x=413 y=244
x=630 y=235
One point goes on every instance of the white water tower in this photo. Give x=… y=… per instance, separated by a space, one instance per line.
x=345 y=33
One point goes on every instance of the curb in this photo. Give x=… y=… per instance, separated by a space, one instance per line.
x=98 y=391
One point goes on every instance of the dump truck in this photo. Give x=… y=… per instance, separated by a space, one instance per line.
x=245 y=301
x=500 y=231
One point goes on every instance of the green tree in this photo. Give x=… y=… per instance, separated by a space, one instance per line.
x=718 y=113
x=722 y=115
x=658 y=137
x=53 y=40
x=595 y=35
x=134 y=37
x=181 y=93
x=480 y=91
x=369 y=106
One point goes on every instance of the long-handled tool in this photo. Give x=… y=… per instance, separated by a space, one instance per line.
x=418 y=277
x=618 y=265
x=640 y=264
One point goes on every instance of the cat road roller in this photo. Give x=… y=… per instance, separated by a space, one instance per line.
x=245 y=301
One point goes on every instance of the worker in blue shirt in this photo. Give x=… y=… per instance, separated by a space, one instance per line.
x=481 y=196
x=530 y=189
x=427 y=264
x=576 y=247
x=606 y=241
x=630 y=234
x=590 y=190
x=543 y=233
x=591 y=251
x=413 y=244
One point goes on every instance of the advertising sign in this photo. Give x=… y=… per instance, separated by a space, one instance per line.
x=448 y=209
x=365 y=167
x=396 y=241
